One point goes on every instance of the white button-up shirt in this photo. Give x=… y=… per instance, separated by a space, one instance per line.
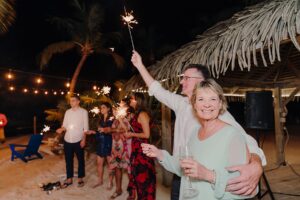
x=76 y=122
x=186 y=123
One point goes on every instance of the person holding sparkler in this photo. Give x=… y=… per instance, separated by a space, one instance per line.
x=120 y=152
x=186 y=124
x=75 y=124
x=142 y=179
x=104 y=142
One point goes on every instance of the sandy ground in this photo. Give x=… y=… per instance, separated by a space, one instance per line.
x=20 y=181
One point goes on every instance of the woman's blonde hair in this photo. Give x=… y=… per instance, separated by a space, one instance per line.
x=214 y=86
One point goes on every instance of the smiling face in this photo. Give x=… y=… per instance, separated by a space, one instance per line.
x=207 y=104
x=188 y=81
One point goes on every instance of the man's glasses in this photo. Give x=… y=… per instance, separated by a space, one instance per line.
x=185 y=78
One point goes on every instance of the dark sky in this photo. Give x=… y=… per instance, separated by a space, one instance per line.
x=164 y=25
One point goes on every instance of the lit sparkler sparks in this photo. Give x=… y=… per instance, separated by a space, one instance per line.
x=128 y=19
x=121 y=112
x=45 y=129
x=105 y=90
x=95 y=111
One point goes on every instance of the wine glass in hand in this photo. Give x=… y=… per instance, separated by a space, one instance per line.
x=188 y=191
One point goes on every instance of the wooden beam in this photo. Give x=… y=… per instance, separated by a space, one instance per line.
x=166 y=140
x=268 y=85
x=292 y=95
x=269 y=72
x=279 y=136
x=294 y=69
x=234 y=90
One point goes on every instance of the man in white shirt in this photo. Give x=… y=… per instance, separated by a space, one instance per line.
x=186 y=123
x=75 y=125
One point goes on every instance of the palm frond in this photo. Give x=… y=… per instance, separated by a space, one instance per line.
x=119 y=60
x=54 y=115
x=7 y=15
x=53 y=49
x=87 y=100
x=95 y=18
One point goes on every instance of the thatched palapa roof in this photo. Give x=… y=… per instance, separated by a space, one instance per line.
x=253 y=37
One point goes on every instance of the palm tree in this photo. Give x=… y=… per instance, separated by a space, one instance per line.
x=83 y=27
x=7 y=15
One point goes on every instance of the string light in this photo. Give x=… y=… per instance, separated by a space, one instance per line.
x=9 y=76
x=11 y=88
x=39 y=80
x=120 y=89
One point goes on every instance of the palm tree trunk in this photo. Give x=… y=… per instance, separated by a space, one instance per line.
x=76 y=73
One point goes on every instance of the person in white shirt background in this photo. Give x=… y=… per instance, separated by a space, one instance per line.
x=75 y=125
x=186 y=124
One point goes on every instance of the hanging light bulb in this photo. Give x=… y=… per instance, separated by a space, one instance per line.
x=38 y=80
x=9 y=76
x=11 y=88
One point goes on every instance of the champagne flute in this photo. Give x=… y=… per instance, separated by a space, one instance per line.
x=189 y=191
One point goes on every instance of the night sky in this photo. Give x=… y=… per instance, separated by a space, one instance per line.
x=164 y=25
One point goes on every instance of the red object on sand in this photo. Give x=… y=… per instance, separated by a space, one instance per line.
x=3 y=120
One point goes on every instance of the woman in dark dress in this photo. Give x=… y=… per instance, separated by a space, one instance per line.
x=142 y=179
x=104 y=141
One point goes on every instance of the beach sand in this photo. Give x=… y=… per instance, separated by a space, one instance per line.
x=20 y=181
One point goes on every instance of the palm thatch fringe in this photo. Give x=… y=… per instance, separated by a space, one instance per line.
x=7 y=15
x=238 y=40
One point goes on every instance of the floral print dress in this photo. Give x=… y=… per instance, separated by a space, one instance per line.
x=143 y=175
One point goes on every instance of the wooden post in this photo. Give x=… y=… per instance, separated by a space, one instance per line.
x=34 y=124
x=166 y=140
x=279 y=135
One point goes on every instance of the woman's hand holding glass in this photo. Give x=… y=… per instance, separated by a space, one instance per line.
x=195 y=170
x=188 y=166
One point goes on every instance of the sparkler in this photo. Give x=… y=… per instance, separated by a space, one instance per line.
x=128 y=19
x=95 y=111
x=121 y=112
x=45 y=129
x=105 y=90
